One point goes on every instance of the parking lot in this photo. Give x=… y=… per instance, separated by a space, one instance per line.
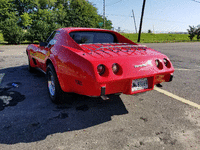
x=167 y=117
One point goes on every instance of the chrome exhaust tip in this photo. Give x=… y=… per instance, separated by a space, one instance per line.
x=105 y=97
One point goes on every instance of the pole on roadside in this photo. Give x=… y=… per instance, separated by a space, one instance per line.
x=142 y=14
x=134 y=21
x=104 y=14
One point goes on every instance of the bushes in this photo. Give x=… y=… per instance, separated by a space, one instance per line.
x=191 y=32
x=198 y=33
x=194 y=31
x=12 y=33
x=40 y=31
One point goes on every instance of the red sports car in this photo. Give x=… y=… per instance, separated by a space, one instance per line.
x=97 y=62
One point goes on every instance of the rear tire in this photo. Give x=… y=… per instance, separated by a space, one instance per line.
x=55 y=92
x=30 y=69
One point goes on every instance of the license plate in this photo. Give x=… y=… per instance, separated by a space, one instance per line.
x=139 y=84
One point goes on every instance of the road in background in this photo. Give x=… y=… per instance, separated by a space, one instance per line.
x=152 y=120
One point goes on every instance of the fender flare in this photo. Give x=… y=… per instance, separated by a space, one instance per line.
x=52 y=60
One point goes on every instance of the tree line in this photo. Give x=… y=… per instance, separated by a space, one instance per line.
x=34 y=20
x=194 y=31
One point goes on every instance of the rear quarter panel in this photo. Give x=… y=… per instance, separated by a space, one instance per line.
x=74 y=71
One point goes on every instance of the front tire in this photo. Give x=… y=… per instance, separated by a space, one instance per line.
x=54 y=89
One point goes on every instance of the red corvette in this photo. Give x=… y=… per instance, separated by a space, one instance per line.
x=97 y=62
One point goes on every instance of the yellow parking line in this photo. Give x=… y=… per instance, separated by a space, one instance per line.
x=182 y=69
x=177 y=97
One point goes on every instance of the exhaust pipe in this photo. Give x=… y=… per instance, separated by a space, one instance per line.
x=105 y=97
x=158 y=85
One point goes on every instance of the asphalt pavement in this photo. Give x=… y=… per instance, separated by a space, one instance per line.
x=153 y=120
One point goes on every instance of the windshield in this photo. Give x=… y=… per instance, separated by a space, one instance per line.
x=81 y=37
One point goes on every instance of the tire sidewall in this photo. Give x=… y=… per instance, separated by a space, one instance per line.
x=58 y=91
x=30 y=68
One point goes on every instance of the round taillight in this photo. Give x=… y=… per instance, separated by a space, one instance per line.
x=166 y=62
x=115 y=68
x=157 y=63
x=100 y=69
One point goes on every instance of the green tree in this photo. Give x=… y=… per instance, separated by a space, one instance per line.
x=41 y=17
x=26 y=20
x=198 y=33
x=22 y=6
x=12 y=33
x=108 y=23
x=6 y=8
x=46 y=4
x=191 y=32
x=84 y=14
x=40 y=30
x=61 y=13
x=149 y=31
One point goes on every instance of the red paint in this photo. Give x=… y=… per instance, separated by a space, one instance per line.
x=76 y=64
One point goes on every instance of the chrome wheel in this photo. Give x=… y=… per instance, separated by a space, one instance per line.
x=51 y=84
x=54 y=89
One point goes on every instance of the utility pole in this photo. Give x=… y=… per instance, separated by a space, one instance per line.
x=104 y=14
x=141 y=20
x=134 y=21
x=153 y=28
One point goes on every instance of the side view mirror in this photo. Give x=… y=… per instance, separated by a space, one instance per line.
x=43 y=44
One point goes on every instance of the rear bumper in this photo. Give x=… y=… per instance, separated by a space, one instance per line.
x=94 y=88
x=125 y=86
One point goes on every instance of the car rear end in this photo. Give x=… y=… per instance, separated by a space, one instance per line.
x=128 y=69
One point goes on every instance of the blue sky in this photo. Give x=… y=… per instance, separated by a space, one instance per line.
x=159 y=15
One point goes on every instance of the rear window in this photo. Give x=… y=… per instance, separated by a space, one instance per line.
x=81 y=37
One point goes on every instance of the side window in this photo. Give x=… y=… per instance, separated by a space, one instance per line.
x=51 y=41
x=51 y=36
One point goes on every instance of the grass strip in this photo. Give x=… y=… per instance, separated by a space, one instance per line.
x=159 y=38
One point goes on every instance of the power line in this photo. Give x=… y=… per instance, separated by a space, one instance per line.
x=165 y=20
x=118 y=15
x=196 y=1
x=124 y=20
x=114 y=3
